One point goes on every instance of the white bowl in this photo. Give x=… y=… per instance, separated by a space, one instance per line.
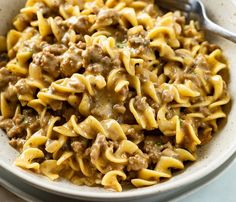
x=211 y=156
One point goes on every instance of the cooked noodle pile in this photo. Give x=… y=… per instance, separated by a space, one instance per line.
x=108 y=92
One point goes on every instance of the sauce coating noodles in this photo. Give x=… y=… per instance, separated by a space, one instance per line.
x=108 y=92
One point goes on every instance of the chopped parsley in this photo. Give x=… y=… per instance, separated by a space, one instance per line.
x=158 y=143
x=120 y=44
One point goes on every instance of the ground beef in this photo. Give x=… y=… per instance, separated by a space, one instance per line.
x=55 y=49
x=66 y=112
x=120 y=34
x=101 y=109
x=71 y=61
x=6 y=77
x=6 y=124
x=137 y=162
x=96 y=60
x=14 y=128
x=79 y=146
x=107 y=17
x=170 y=113
x=22 y=87
x=31 y=119
x=140 y=103
x=17 y=143
x=167 y=96
x=152 y=148
x=69 y=65
x=205 y=111
x=98 y=147
x=61 y=24
x=49 y=58
x=31 y=45
x=201 y=62
x=135 y=135
x=197 y=99
x=92 y=55
x=113 y=144
x=138 y=41
x=34 y=124
x=154 y=105
x=95 y=68
x=48 y=62
x=205 y=135
x=80 y=24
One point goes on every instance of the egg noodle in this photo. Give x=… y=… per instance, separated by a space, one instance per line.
x=108 y=92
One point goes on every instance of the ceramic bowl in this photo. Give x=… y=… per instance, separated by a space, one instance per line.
x=211 y=156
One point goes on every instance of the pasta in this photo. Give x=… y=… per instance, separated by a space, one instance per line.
x=108 y=92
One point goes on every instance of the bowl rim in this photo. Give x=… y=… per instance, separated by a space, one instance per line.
x=193 y=188
x=137 y=192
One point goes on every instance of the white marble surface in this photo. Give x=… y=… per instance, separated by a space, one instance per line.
x=220 y=189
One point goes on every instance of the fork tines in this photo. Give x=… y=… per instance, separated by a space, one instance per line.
x=182 y=5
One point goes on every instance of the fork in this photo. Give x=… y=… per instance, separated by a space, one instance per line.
x=197 y=8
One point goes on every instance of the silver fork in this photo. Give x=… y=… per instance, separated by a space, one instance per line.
x=197 y=7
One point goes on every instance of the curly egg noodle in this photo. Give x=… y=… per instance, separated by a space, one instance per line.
x=108 y=92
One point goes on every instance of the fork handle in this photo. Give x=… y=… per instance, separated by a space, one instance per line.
x=216 y=29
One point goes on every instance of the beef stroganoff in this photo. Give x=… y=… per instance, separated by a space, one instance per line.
x=107 y=92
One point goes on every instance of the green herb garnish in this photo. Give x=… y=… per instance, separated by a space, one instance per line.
x=120 y=44
x=158 y=143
